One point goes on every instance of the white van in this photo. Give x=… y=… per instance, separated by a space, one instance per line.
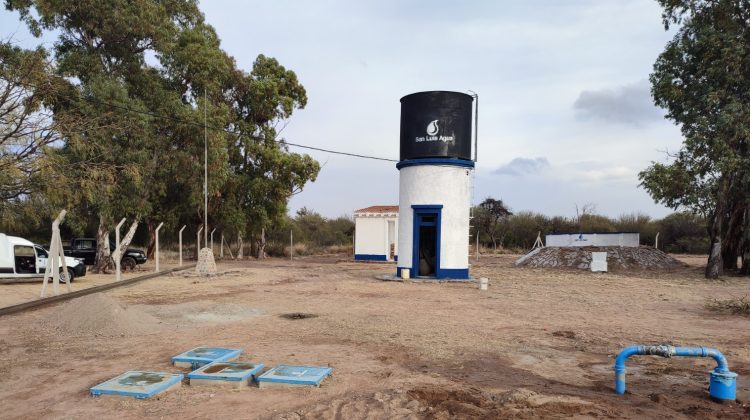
x=22 y=261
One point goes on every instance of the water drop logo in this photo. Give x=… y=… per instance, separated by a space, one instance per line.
x=432 y=128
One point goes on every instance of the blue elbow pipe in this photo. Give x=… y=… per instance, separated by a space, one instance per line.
x=722 y=382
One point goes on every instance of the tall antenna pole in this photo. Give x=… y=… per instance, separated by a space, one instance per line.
x=205 y=166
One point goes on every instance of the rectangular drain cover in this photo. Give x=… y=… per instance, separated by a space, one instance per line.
x=294 y=375
x=200 y=356
x=138 y=384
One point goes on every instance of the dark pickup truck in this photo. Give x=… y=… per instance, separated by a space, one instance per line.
x=85 y=249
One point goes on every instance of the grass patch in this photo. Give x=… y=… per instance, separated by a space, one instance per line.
x=736 y=306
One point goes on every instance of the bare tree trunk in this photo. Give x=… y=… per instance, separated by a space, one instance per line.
x=715 y=265
x=732 y=237
x=262 y=244
x=125 y=242
x=103 y=261
x=239 y=250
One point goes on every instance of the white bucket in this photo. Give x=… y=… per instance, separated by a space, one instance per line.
x=405 y=273
x=484 y=282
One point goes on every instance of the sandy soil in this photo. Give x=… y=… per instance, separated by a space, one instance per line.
x=538 y=343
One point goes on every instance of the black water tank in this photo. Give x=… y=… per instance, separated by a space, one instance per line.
x=436 y=124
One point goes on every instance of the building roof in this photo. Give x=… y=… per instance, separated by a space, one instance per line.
x=378 y=209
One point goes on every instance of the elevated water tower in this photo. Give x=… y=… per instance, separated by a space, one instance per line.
x=435 y=185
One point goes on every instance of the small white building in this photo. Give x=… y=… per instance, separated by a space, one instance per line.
x=376 y=233
x=628 y=239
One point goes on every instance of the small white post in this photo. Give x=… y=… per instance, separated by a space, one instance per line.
x=291 y=245
x=117 y=249
x=198 y=244
x=212 y=239
x=221 y=246
x=157 y=246
x=656 y=244
x=183 y=228
x=477 y=250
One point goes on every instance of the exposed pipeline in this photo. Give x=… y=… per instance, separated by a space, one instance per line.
x=722 y=382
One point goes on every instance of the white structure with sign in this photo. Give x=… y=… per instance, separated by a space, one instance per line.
x=629 y=239
x=376 y=233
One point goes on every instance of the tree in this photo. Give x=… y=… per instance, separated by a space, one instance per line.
x=489 y=216
x=702 y=79
x=144 y=157
x=28 y=94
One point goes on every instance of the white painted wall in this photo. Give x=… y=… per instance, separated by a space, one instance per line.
x=594 y=239
x=371 y=234
x=434 y=184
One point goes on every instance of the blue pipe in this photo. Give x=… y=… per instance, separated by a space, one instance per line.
x=722 y=382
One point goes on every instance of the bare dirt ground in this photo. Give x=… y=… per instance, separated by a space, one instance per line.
x=538 y=343
x=11 y=294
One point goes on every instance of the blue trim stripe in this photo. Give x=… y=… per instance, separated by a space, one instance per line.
x=444 y=273
x=453 y=273
x=436 y=161
x=370 y=257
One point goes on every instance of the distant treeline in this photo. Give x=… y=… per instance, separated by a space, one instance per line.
x=679 y=232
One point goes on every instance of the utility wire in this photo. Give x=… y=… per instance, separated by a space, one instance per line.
x=225 y=130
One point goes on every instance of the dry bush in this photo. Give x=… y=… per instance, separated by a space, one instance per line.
x=736 y=306
x=339 y=249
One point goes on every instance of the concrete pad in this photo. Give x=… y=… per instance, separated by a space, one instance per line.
x=290 y=375
x=201 y=356
x=138 y=384
x=226 y=374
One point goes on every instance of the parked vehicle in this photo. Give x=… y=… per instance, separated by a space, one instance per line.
x=76 y=267
x=22 y=260
x=85 y=249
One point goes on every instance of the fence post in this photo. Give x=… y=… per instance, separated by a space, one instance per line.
x=212 y=240
x=291 y=245
x=198 y=244
x=157 y=246
x=117 y=249
x=183 y=228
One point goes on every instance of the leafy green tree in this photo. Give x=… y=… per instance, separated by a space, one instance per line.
x=29 y=92
x=489 y=217
x=144 y=157
x=702 y=79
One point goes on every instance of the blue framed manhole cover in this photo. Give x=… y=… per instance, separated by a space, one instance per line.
x=289 y=375
x=138 y=384
x=200 y=356
x=232 y=374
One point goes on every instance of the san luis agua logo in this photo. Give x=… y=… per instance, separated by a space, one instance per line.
x=433 y=128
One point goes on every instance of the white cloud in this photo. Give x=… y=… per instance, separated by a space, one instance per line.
x=629 y=104
x=523 y=166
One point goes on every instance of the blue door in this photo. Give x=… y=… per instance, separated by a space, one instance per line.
x=426 y=245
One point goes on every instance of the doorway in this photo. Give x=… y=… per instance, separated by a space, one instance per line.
x=426 y=255
x=391 y=240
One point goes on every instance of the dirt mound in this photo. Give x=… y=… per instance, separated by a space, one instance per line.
x=99 y=315
x=618 y=258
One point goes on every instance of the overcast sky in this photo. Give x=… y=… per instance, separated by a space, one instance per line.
x=566 y=116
